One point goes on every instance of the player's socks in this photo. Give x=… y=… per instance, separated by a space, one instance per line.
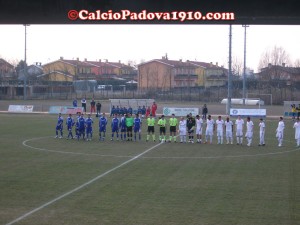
x=174 y=138
x=140 y=137
x=159 y=137
x=170 y=138
x=148 y=136
x=153 y=137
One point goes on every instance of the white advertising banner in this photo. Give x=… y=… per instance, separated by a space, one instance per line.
x=167 y=111
x=20 y=108
x=248 y=112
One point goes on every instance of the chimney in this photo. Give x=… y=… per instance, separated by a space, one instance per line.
x=180 y=60
x=119 y=61
x=166 y=57
x=77 y=59
x=283 y=64
x=40 y=64
x=187 y=60
x=106 y=60
x=211 y=64
x=61 y=58
x=85 y=59
x=99 y=60
x=36 y=63
x=162 y=57
x=216 y=63
x=269 y=65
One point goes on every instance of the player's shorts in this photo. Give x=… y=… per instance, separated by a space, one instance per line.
x=229 y=134
x=279 y=134
x=173 y=129
x=239 y=133
x=182 y=131
x=249 y=134
x=190 y=132
x=81 y=130
x=123 y=129
x=151 y=129
x=129 y=129
x=102 y=129
x=89 y=130
x=70 y=127
x=136 y=129
x=209 y=132
x=162 y=130
x=220 y=133
x=59 y=127
x=199 y=131
x=115 y=129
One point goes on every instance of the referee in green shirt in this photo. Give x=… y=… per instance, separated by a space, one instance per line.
x=129 y=124
x=162 y=128
x=151 y=123
x=173 y=124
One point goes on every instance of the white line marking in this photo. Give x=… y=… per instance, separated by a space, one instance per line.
x=159 y=157
x=82 y=186
x=72 y=153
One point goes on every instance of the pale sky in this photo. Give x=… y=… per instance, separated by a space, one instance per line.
x=207 y=43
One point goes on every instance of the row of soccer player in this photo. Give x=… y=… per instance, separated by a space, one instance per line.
x=125 y=126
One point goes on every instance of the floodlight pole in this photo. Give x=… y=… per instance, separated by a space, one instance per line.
x=229 y=94
x=244 y=71
x=25 y=63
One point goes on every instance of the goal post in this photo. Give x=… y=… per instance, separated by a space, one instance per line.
x=259 y=96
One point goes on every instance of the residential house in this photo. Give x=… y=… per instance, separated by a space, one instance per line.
x=7 y=71
x=165 y=74
x=210 y=75
x=67 y=70
x=279 y=74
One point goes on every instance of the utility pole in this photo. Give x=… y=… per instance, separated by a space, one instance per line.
x=244 y=71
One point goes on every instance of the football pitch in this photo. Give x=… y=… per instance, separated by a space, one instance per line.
x=47 y=181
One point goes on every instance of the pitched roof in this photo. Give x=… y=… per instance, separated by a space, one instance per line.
x=291 y=70
x=180 y=63
x=4 y=62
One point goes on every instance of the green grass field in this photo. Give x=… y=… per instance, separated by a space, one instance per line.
x=41 y=178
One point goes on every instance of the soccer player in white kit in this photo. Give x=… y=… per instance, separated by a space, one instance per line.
x=279 y=131
x=199 y=123
x=229 y=130
x=249 y=132
x=182 y=130
x=297 y=131
x=220 y=129
x=262 y=128
x=209 y=129
x=239 y=130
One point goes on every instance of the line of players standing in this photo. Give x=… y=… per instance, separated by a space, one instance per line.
x=126 y=125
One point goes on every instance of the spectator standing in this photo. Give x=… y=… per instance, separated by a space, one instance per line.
x=98 y=106
x=83 y=104
x=204 y=112
x=153 y=109
x=93 y=106
x=74 y=103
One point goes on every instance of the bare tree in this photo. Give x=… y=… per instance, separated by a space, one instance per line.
x=275 y=56
x=237 y=66
x=297 y=63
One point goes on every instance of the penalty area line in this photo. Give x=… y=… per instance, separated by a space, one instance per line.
x=81 y=186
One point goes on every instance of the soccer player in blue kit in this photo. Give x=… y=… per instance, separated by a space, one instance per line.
x=70 y=123
x=59 y=126
x=137 y=124
x=102 y=127
x=81 y=127
x=89 y=127
x=123 y=127
x=115 y=127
